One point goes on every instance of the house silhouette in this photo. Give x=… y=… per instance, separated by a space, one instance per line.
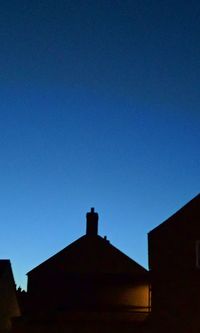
x=174 y=264
x=89 y=285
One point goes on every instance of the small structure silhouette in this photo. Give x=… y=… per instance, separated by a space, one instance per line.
x=9 y=306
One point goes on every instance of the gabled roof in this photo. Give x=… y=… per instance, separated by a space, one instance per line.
x=91 y=254
x=192 y=208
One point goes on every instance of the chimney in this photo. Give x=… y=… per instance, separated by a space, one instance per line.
x=92 y=223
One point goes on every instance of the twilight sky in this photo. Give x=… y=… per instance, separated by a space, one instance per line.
x=99 y=107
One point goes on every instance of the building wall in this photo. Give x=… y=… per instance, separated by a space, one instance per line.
x=82 y=291
x=175 y=276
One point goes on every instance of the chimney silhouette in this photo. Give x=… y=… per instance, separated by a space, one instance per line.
x=92 y=223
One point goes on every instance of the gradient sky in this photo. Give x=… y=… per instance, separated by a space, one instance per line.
x=99 y=107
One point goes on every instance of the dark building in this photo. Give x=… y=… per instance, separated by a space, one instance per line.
x=89 y=286
x=9 y=307
x=174 y=263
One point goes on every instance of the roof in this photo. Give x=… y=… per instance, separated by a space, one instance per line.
x=192 y=208
x=91 y=254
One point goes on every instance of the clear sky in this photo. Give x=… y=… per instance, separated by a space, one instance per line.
x=99 y=107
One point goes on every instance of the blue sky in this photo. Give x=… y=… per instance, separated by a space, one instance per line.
x=99 y=107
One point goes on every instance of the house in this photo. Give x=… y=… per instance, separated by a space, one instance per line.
x=89 y=286
x=9 y=307
x=174 y=263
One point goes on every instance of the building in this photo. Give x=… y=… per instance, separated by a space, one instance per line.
x=174 y=263
x=90 y=286
x=9 y=307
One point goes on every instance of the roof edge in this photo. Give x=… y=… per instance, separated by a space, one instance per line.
x=185 y=206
